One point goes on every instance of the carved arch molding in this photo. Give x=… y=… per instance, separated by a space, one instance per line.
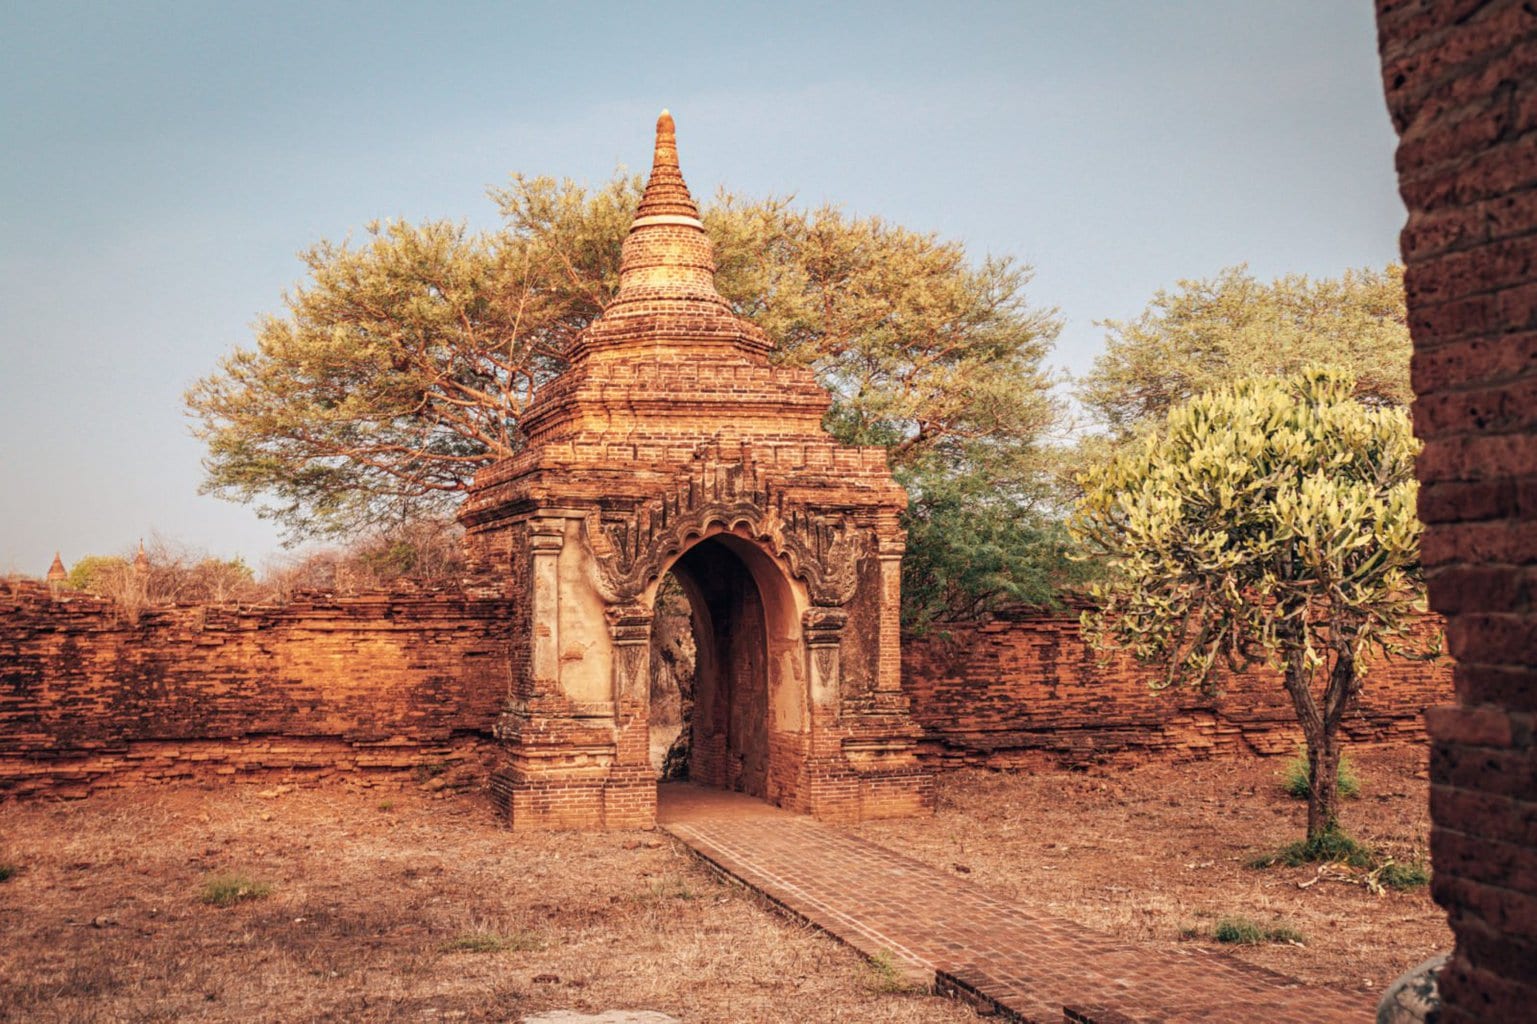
x=633 y=547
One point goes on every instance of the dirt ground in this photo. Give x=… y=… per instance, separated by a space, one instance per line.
x=1155 y=853
x=390 y=905
x=371 y=891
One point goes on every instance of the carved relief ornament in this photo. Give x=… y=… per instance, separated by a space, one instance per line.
x=633 y=548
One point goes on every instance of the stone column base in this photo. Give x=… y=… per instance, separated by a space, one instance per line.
x=586 y=799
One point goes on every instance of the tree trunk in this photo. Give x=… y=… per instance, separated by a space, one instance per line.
x=1324 y=782
x=1321 y=731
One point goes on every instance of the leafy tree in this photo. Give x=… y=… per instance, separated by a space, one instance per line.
x=94 y=573
x=426 y=551
x=1271 y=521
x=1214 y=332
x=973 y=543
x=170 y=573
x=405 y=363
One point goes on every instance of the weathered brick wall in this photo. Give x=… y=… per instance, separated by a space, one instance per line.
x=1461 y=82
x=361 y=685
x=1026 y=689
x=406 y=684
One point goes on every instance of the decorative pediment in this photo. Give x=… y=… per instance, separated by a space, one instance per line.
x=633 y=547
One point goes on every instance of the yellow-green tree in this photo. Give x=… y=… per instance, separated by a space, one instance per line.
x=405 y=363
x=1207 y=333
x=1270 y=521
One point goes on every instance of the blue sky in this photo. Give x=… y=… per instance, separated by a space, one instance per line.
x=165 y=162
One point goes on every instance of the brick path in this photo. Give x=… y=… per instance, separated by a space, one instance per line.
x=1004 y=956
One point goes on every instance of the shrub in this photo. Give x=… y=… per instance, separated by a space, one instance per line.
x=1393 y=875
x=1242 y=931
x=1331 y=847
x=1298 y=781
x=7 y=872
x=227 y=890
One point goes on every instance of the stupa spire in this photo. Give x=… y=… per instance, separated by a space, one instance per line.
x=667 y=254
x=667 y=194
x=56 y=572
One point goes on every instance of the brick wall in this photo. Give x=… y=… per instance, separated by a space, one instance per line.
x=402 y=684
x=1026 y=689
x=405 y=684
x=1461 y=84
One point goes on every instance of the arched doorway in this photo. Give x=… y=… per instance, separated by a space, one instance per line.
x=745 y=706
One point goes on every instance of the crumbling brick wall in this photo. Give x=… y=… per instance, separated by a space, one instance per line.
x=1461 y=82
x=1026 y=689
x=407 y=683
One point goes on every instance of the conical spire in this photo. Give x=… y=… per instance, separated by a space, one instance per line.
x=667 y=254
x=141 y=560
x=667 y=193
x=56 y=572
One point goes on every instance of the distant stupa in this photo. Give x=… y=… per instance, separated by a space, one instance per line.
x=141 y=560
x=56 y=572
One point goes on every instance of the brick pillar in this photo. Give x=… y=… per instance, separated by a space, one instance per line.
x=1461 y=82
x=889 y=672
x=545 y=542
x=829 y=788
x=629 y=795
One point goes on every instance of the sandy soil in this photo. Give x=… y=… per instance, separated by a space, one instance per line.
x=1156 y=852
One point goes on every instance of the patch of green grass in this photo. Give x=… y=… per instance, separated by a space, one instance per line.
x=491 y=942
x=670 y=888
x=1394 y=875
x=386 y=805
x=8 y=872
x=1331 y=847
x=1242 y=931
x=885 y=977
x=1298 y=781
x=228 y=890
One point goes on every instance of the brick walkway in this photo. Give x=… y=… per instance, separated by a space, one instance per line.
x=1004 y=956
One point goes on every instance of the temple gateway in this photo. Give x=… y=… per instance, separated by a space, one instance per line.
x=671 y=444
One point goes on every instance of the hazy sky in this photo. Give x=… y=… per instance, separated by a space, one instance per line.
x=163 y=164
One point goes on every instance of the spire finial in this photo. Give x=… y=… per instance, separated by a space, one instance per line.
x=666 y=193
x=665 y=155
x=667 y=252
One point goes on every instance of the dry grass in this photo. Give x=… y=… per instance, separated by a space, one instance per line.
x=1160 y=854
x=428 y=912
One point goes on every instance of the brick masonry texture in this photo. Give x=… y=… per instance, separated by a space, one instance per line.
x=396 y=685
x=1006 y=957
x=671 y=443
x=1026 y=689
x=1461 y=84
x=399 y=684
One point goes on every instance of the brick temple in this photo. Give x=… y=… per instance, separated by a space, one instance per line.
x=671 y=444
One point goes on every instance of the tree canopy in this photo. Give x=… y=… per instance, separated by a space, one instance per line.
x=1269 y=521
x=405 y=362
x=1208 y=333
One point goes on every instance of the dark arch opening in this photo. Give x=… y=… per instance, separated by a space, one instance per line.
x=730 y=712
